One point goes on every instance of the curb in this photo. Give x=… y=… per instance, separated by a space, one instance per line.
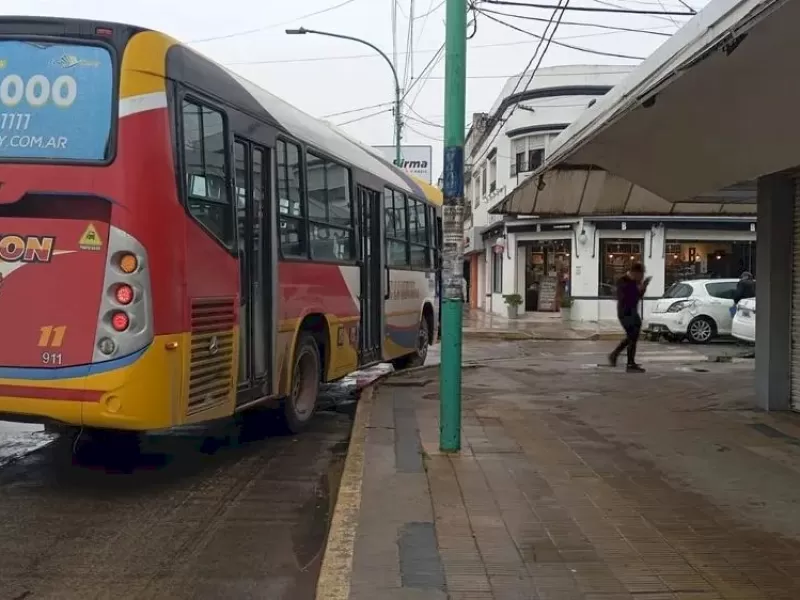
x=532 y=336
x=337 y=561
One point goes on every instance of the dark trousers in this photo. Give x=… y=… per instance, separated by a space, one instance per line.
x=632 y=324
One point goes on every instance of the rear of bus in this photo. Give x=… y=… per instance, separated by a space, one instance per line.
x=85 y=160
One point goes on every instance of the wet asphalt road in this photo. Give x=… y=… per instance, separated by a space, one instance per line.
x=234 y=511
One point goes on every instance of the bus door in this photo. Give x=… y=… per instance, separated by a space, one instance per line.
x=255 y=270
x=371 y=275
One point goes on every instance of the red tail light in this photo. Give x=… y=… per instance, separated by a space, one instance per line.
x=124 y=294
x=120 y=321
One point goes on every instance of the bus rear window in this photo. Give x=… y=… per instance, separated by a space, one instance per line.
x=55 y=101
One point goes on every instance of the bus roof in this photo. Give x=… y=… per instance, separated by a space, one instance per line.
x=332 y=140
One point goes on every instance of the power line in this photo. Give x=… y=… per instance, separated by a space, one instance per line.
x=371 y=56
x=355 y=110
x=563 y=44
x=627 y=11
x=425 y=135
x=364 y=117
x=556 y=11
x=273 y=26
x=615 y=28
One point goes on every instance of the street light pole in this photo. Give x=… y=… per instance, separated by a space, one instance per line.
x=398 y=98
x=455 y=80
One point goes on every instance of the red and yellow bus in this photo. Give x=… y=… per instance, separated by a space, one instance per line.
x=177 y=244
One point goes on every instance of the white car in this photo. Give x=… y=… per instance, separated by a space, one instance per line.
x=697 y=309
x=744 y=321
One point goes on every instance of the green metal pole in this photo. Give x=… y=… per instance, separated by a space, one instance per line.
x=453 y=225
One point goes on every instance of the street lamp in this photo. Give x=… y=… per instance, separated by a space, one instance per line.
x=398 y=123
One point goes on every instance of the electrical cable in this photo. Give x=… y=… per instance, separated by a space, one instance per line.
x=558 y=10
x=627 y=11
x=576 y=23
x=355 y=110
x=273 y=26
x=563 y=44
x=364 y=117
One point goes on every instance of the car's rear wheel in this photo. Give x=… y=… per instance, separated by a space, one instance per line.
x=701 y=330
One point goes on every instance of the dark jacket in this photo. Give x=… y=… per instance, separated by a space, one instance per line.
x=628 y=296
x=746 y=288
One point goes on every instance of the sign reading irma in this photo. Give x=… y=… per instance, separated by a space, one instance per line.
x=417 y=160
x=55 y=101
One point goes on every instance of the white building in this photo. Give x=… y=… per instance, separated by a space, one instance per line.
x=545 y=258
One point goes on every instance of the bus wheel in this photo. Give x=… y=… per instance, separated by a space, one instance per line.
x=299 y=407
x=417 y=359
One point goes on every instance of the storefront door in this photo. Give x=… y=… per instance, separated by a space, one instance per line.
x=547 y=274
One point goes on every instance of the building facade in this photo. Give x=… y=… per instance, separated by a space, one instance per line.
x=546 y=259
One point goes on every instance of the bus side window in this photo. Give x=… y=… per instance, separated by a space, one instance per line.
x=291 y=212
x=208 y=197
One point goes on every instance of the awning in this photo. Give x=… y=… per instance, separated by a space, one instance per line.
x=715 y=105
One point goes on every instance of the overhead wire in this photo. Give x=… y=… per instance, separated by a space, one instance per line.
x=272 y=26
x=545 y=39
x=563 y=44
x=364 y=117
x=355 y=110
x=627 y=11
x=577 y=23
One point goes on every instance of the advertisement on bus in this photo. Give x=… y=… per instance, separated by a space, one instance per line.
x=55 y=101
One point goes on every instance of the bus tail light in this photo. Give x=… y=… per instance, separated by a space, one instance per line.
x=106 y=346
x=120 y=321
x=125 y=314
x=128 y=263
x=124 y=294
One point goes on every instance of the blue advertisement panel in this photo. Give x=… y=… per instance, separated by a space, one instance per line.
x=55 y=101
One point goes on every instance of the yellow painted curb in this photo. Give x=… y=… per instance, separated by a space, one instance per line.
x=337 y=562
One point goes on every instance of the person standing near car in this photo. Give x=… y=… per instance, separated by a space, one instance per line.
x=746 y=288
x=631 y=287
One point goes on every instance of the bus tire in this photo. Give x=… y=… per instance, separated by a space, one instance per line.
x=420 y=354
x=299 y=407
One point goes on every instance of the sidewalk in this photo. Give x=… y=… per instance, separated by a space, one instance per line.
x=573 y=483
x=536 y=326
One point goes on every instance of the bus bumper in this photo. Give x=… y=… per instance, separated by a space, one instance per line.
x=137 y=392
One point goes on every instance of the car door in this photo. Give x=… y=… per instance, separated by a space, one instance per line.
x=719 y=304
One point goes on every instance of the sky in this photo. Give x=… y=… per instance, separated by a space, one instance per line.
x=333 y=78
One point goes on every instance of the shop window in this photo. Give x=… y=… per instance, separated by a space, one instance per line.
x=497 y=272
x=291 y=223
x=208 y=197
x=708 y=259
x=617 y=256
x=547 y=274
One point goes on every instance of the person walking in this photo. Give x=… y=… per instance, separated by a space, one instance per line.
x=631 y=287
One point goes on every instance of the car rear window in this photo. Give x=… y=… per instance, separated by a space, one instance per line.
x=679 y=290
x=722 y=290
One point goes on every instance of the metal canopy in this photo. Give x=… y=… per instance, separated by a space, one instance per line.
x=715 y=105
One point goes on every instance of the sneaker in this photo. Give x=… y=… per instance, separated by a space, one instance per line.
x=634 y=369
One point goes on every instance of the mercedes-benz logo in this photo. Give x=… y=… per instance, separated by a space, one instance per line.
x=213 y=346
